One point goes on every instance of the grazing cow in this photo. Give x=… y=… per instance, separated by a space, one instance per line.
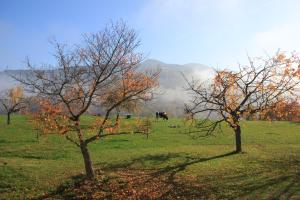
x=128 y=116
x=162 y=115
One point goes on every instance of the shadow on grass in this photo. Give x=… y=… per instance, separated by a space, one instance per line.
x=32 y=155
x=125 y=181
x=284 y=184
x=17 y=141
x=281 y=187
x=117 y=140
x=120 y=181
x=272 y=133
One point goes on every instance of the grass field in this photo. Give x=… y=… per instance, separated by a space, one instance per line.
x=169 y=164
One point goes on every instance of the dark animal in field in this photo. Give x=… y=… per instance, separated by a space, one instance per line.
x=162 y=115
x=128 y=116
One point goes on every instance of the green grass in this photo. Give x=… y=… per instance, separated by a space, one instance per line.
x=269 y=168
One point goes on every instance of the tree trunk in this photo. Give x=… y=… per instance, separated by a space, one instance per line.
x=85 y=152
x=87 y=161
x=238 y=139
x=8 y=118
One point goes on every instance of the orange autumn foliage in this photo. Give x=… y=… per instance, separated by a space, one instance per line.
x=110 y=127
x=249 y=91
x=101 y=73
x=132 y=87
x=227 y=87
x=49 y=119
x=143 y=126
x=282 y=110
x=15 y=94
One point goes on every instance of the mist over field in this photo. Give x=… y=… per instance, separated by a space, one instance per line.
x=171 y=93
x=172 y=85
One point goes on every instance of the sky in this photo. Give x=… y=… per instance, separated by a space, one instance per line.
x=217 y=33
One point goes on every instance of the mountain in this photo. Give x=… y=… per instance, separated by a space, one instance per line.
x=171 y=76
x=172 y=83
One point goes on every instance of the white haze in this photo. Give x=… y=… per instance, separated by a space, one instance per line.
x=172 y=94
x=173 y=85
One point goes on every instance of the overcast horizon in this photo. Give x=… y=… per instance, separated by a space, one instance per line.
x=217 y=33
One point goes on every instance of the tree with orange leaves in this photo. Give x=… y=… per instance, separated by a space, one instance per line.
x=103 y=72
x=250 y=90
x=131 y=81
x=12 y=101
x=287 y=110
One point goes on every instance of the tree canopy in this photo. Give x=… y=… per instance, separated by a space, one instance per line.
x=101 y=71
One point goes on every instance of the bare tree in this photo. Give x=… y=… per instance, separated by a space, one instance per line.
x=103 y=71
x=11 y=101
x=249 y=90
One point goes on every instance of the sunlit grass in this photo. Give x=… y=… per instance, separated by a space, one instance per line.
x=268 y=168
